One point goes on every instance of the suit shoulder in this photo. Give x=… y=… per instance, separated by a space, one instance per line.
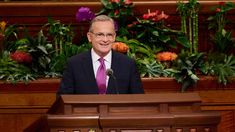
x=122 y=56
x=79 y=56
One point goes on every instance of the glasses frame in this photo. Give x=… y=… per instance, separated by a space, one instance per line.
x=100 y=35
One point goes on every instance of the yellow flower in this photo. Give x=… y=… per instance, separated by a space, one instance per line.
x=2 y=26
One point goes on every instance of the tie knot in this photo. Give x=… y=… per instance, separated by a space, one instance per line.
x=101 y=60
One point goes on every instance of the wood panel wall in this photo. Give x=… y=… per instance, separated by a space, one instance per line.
x=34 y=14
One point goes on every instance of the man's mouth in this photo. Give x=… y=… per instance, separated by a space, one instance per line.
x=104 y=44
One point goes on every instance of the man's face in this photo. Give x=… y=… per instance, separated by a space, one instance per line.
x=102 y=36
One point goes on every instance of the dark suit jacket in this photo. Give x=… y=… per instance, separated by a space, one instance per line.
x=79 y=78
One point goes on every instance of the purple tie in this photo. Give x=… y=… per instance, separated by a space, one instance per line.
x=101 y=77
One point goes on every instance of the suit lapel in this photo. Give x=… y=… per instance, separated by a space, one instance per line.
x=114 y=66
x=87 y=66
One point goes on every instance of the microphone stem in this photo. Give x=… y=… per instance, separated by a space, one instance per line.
x=109 y=72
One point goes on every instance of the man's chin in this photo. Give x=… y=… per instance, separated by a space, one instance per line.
x=106 y=51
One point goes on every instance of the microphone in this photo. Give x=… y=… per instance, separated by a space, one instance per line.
x=109 y=72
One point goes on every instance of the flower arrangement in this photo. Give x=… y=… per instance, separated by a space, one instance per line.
x=146 y=38
x=221 y=38
x=220 y=60
x=152 y=30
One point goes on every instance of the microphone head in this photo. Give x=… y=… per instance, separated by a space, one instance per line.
x=109 y=72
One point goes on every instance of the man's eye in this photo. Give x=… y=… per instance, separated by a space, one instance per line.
x=110 y=35
x=100 y=34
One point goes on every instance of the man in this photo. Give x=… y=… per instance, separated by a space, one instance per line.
x=85 y=73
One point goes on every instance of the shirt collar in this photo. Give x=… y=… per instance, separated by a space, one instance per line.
x=95 y=57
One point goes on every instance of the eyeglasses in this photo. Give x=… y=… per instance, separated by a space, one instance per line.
x=100 y=35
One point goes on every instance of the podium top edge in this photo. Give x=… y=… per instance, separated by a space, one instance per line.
x=132 y=98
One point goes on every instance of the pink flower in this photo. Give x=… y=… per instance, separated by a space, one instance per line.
x=217 y=10
x=146 y=16
x=21 y=57
x=128 y=2
x=162 y=16
x=155 y=16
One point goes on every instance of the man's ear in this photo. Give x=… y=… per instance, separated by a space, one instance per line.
x=89 y=36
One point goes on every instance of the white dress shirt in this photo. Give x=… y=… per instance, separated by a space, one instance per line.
x=96 y=63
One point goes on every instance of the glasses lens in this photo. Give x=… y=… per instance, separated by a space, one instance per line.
x=102 y=35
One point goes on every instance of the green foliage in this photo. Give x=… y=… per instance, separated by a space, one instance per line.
x=222 y=66
x=221 y=38
x=189 y=21
x=145 y=59
x=58 y=62
x=121 y=11
x=49 y=52
x=158 y=35
x=187 y=64
x=151 y=68
x=137 y=49
x=223 y=42
x=116 y=9
x=63 y=47
x=10 y=35
x=41 y=51
x=62 y=34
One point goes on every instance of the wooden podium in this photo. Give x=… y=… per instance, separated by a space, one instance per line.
x=168 y=112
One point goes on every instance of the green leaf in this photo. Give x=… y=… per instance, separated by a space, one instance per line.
x=164 y=38
x=183 y=40
x=155 y=33
x=42 y=48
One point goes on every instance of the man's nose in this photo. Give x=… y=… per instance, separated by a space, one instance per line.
x=105 y=38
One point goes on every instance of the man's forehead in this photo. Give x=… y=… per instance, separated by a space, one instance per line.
x=103 y=26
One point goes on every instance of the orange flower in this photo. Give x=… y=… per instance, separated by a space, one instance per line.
x=166 y=56
x=120 y=47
